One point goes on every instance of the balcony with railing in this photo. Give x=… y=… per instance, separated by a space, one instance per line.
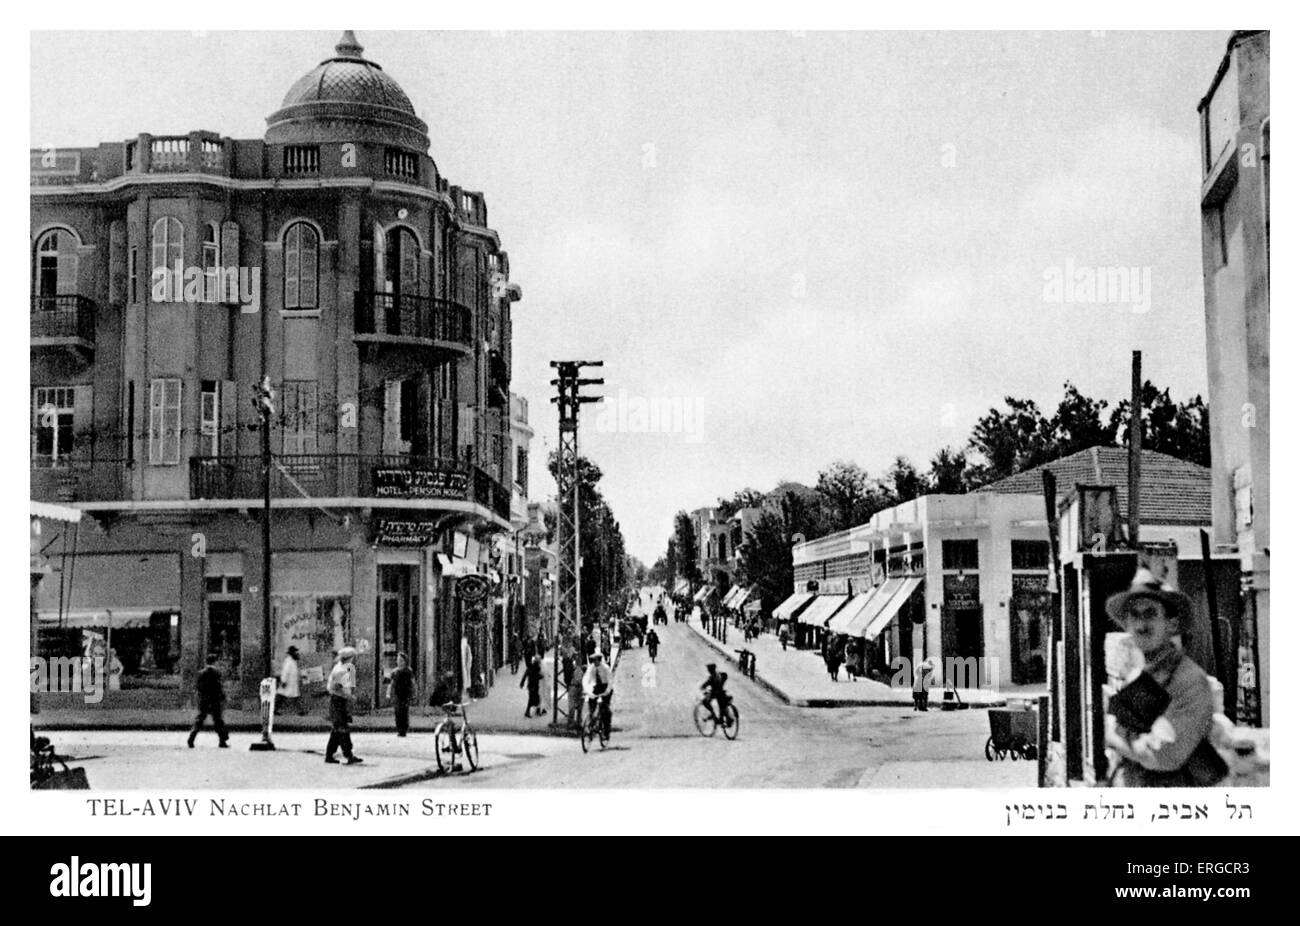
x=406 y=319
x=60 y=323
x=382 y=477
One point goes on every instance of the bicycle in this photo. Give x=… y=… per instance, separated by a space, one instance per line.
x=595 y=725
x=447 y=747
x=706 y=719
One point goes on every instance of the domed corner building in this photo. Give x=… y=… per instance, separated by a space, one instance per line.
x=170 y=275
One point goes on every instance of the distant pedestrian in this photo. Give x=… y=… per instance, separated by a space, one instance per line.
x=921 y=686
x=833 y=663
x=401 y=689
x=785 y=637
x=342 y=686
x=290 y=687
x=212 y=697
x=540 y=643
x=852 y=661
x=530 y=650
x=533 y=678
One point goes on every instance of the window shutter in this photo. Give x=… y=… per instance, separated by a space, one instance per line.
x=410 y=257
x=83 y=423
x=307 y=267
x=117 y=263
x=392 y=415
x=67 y=267
x=227 y=442
x=291 y=267
x=381 y=256
x=230 y=259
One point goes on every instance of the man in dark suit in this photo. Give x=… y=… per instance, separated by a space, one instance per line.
x=211 y=698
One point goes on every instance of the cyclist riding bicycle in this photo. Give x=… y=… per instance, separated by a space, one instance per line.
x=652 y=641
x=598 y=684
x=714 y=689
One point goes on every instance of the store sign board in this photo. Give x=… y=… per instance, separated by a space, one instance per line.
x=961 y=591
x=472 y=587
x=420 y=482
x=405 y=532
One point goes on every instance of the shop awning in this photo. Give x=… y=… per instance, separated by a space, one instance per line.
x=704 y=593
x=117 y=620
x=790 y=607
x=682 y=587
x=754 y=607
x=741 y=597
x=726 y=599
x=874 y=619
x=822 y=608
x=840 y=622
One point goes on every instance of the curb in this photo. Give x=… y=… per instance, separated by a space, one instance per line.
x=826 y=703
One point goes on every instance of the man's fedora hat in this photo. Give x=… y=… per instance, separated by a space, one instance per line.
x=1146 y=585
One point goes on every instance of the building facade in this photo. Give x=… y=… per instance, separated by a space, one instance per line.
x=332 y=260
x=1234 y=195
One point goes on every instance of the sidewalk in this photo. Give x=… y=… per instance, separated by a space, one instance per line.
x=799 y=677
x=502 y=711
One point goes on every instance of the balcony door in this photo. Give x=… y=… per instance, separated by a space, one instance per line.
x=397 y=274
x=407 y=405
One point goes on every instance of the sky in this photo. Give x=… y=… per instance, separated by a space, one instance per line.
x=811 y=246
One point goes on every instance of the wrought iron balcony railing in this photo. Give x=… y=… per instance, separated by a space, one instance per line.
x=406 y=317
x=63 y=318
x=338 y=475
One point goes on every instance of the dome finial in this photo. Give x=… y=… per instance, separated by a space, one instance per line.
x=348 y=46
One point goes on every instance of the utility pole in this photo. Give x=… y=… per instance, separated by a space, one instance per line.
x=568 y=486
x=264 y=402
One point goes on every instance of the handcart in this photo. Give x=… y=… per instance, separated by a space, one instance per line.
x=1013 y=732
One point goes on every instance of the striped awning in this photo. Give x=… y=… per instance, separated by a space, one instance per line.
x=822 y=608
x=790 y=607
x=845 y=615
x=872 y=620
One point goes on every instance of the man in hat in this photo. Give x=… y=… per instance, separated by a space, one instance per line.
x=1172 y=752
x=212 y=697
x=342 y=685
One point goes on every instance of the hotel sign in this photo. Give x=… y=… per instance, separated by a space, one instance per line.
x=420 y=482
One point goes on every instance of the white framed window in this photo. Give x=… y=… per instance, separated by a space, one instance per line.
x=168 y=247
x=301 y=260
x=53 y=424
x=164 y=422
x=211 y=262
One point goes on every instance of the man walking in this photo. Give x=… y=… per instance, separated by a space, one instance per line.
x=211 y=698
x=533 y=678
x=342 y=685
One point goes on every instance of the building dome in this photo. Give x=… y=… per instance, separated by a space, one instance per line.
x=350 y=97
x=348 y=78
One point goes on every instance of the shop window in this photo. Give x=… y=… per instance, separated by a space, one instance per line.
x=1030 y=554
x=961 y=554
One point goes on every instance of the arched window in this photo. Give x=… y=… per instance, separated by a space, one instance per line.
x=211 y=262
x=301 y=250
x=402 y=262
x=56 y=264
x=168 y=245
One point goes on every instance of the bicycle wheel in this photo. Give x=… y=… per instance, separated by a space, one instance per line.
x=602 y=729
x=584 y=733
x=442 y=747
x=731 y=722
x=705 y=721
x=469 y=743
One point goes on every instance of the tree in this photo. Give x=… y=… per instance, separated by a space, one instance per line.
x=1180 y=430
x=688 y=552
x=1010 y=441
x=1077 y=424
x=850 y=495
x=903 y=483
x=745 y=498
x=765 y=558
x=947 y=472
x=603 y=572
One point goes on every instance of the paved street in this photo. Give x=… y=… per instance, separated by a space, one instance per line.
x=655 y=745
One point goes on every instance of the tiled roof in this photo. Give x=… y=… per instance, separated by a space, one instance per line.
x=348 y=78
x=1174 y=491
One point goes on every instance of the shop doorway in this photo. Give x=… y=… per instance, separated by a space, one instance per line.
x=397 y=605
x=225 y=615
x=963 y=632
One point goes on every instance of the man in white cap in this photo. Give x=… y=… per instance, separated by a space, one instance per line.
x=342 y=685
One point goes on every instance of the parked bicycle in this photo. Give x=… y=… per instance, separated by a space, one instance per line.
x=707 y=721
x=451 y=741
x=595 y=723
